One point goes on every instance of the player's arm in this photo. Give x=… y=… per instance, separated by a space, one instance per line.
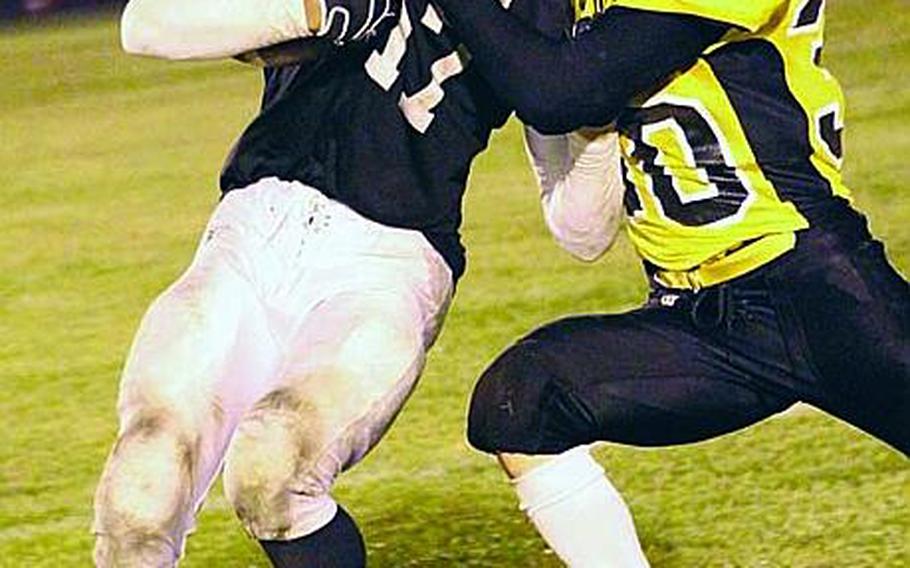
x=559 y=85
x=212 y=29
x=581 y=188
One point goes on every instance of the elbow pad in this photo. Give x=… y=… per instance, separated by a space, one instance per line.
x=212 y=29
x=209 y=29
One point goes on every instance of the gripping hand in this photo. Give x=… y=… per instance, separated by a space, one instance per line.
x=343 y=21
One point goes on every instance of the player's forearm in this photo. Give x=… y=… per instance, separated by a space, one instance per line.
x=581 y=189
x=561 y=85
x=207 y=29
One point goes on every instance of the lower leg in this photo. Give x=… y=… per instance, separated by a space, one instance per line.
x=360 y=356
x=183 y=383
x=338 y=544
x=576 y=509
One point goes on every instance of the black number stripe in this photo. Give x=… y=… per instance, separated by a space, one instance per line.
x=630 y=197
x=810 y=14
x=775 y=124
x=831 y=134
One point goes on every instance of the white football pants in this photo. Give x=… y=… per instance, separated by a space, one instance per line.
x=283 y=353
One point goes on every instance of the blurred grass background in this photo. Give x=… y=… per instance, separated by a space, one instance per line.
x=108 y=169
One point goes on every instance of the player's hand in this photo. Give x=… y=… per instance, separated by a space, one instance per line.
x=343 y=21
x=327 y=22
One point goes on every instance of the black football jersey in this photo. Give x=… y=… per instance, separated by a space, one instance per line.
x=388 y=127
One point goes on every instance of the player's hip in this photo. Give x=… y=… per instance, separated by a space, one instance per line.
x=849 y=308
x=828 y=321
x=297 y=247
x=694 y=258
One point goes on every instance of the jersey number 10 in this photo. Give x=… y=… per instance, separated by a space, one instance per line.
x=700 y=186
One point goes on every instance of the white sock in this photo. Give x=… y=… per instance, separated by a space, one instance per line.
x=579 y=513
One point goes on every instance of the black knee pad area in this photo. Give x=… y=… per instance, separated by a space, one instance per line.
x=520 y=406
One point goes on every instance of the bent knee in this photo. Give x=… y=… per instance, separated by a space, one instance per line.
x=146 y=488
x=519 y=405
x=277 y=475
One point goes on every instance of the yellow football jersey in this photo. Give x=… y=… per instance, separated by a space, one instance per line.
x=734 y=154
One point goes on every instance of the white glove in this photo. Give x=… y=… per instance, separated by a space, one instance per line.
x=581 y=188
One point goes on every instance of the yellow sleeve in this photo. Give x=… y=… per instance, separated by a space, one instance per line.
x=748 y=14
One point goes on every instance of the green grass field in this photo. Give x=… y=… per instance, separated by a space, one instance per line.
x=108 y=169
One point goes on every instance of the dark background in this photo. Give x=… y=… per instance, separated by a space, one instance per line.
x=10 y=9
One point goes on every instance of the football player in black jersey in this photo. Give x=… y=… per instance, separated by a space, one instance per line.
x=295 y=336
x=766 y=286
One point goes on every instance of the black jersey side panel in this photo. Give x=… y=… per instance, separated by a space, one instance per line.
x=753 y=77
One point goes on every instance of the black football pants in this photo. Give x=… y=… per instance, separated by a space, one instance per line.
x=827 y=323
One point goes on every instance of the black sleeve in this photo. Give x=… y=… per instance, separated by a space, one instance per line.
x=559 y=85
x=551 y=18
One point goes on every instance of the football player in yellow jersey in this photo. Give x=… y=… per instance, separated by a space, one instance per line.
x=766 y=285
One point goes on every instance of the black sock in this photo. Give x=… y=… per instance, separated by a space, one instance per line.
x=339 y=544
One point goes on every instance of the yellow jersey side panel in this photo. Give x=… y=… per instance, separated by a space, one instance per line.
x=799 y=38
x=748 y=14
